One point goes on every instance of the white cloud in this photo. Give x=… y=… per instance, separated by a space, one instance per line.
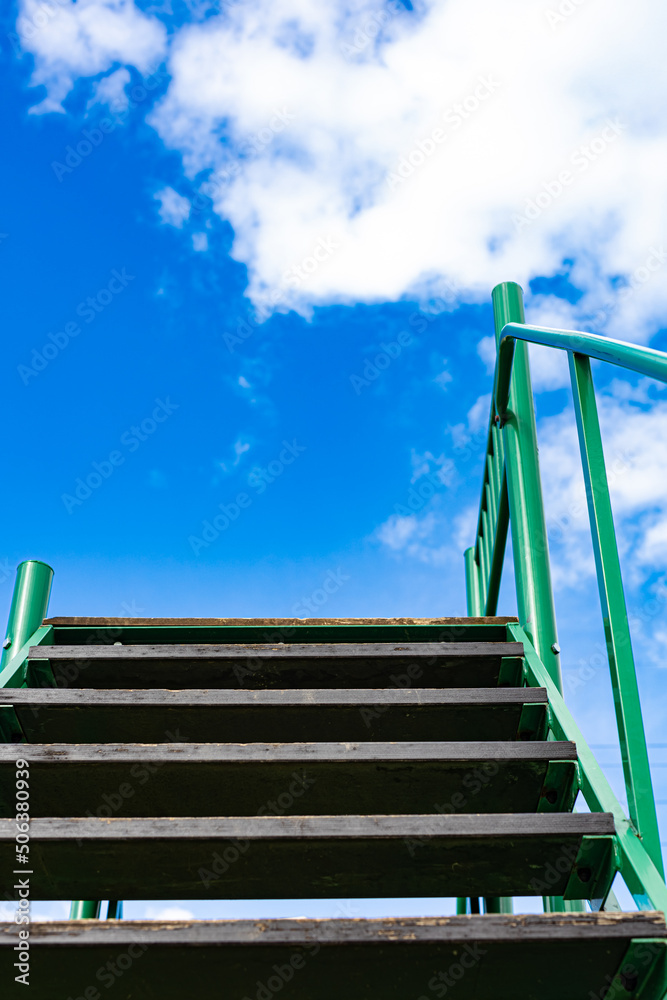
x=302 y=108
x=111 y=90
x=84 y=38
x=635 y=442
x=430 y=536
x=174 y=208
x=199 y=242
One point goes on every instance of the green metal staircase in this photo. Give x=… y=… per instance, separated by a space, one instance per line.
x=296 y=759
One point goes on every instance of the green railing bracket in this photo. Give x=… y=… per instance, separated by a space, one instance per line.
x=15 y=673
x=511 y=671
x=593 y=871
x=642 y=974
x=641 y=876
x=560 y=788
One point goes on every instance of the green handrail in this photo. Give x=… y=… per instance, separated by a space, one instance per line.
x=513 y=460
x=29 y=603
x=644 y=360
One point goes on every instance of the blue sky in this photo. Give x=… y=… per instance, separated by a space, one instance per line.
x=219 y=146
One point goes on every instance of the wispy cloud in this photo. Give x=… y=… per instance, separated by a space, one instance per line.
x=338 y=124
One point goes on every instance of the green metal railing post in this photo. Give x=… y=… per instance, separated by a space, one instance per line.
x=527 y=522
x=84 y=909
x=472 y=584
x=636 y=768
x=29 y=605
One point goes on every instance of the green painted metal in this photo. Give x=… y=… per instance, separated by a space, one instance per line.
x=498 y=904
x=527 y=521
x=644 y=360
x=115 y=909
x=30 y=601
x=15 y=674
x=643 y=879
x=472 y=584
x=627 y=704
x=85 y=909
x=512 y=453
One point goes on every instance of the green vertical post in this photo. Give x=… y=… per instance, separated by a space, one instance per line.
x=29 y=605
x=527 y=521
x=84 y=909
x=636 y=768
x=472 y=584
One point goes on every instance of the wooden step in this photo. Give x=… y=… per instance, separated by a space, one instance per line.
x=278 y=857
x=282 y=665
x=550 y=956
x=223 y=779
x=300 y=716
x=301 y=630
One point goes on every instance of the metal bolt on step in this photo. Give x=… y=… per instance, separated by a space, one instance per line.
x=555 y=648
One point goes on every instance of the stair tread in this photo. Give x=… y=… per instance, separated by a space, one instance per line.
x=268 y=650
x=547 y=927
x=509 y=957
x=94 y=715
x=297 y=753
x=260 y=827
x=401 y=663
x=224 y=779
x=276 y=622
x=129 y=697
x=170 y=630
x=279 y=857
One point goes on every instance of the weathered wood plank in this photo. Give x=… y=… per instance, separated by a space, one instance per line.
x=195 y=779
x=532 y=957
x=313 y=857
x=65 y=715
x=252 y=665
x=277 y=622
x=285 y=630
x=287 y=651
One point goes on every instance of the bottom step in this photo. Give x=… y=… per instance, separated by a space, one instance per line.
x=537 y=957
